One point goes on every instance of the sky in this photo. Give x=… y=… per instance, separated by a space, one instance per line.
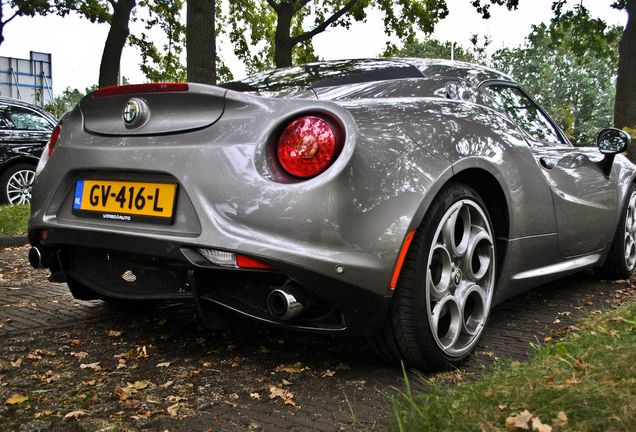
x=76 y=44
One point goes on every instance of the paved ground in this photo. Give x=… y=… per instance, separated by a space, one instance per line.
x=162 y=371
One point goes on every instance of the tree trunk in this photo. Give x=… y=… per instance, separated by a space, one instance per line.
x=283 y=42
x=625 y=102
x=111 y=58
x=201 y=41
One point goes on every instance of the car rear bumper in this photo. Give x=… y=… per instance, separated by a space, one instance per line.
x=121 y=266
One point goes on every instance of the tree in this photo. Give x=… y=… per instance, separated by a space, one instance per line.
x=569 y=65
x=161 y=64
x=31 y=8
x=115 y=41
x=67 y=100
x=433 y=48
x=201 y=41
x=625 y=102
x=282 y=31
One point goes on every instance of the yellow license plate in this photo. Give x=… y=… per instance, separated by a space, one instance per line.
x=125 y=200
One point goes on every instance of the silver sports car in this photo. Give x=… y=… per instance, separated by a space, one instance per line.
x=397 y=198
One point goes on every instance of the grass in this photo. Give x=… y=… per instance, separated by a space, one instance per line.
x=13 y=219
x=590 y=376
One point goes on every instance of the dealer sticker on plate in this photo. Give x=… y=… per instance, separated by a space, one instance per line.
x=125 y=200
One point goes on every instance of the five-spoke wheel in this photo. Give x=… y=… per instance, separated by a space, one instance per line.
x=621 y=258
x=445 y=289
x=460 y=277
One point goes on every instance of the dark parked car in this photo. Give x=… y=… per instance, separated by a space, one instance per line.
x=24 y=131
x=400 y=199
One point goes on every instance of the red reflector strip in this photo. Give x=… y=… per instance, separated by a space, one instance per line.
x=141 y=88
x=243 y=261
x=398 y=265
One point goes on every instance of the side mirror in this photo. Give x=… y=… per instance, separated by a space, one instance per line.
x=610 y=142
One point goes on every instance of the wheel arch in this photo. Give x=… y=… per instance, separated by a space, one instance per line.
x=492 y=193
x=17 y=161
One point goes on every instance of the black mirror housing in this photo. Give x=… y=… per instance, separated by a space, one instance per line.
x=611 y=141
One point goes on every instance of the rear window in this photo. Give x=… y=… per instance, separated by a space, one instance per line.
x=315 y=75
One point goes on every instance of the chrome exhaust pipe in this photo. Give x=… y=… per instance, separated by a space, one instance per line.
x=35 y=258
x=283 y=305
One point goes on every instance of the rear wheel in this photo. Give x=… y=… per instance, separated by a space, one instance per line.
x=621 y=259
x=445 y=290
x=16 y=184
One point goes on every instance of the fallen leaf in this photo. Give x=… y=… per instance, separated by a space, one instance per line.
x=538 y=426
x=76 y=342
x=173 y=398
x=45 y=413
x=35 y=355
x=139 y=385
x=16 y=399
x=172 y=410
x=167 y=384
x=285 y=382
x=164 y=364
x=328 y=373
x=76 y=414
x=80 y=355
x=255 y=396
x=233 y=396
x=142 y=416
x=113 y=333
x=17 y=362
x=93 y=366
x=549 y=380
x=122 y=393
x=561 y=419
x=285 y=395
x=520 y=421
x=293 y=368
x=141 y=352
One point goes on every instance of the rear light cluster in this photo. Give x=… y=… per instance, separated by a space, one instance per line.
x=48 y=149
x=309 y=145
x=140 y=88
x=231 y=259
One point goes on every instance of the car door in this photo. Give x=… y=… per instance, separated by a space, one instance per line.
x=28 y=126
x=585 y=199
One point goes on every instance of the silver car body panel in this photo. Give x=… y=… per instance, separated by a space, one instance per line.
x=405 y=139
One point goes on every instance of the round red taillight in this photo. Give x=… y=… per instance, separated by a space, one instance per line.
x=308 y=145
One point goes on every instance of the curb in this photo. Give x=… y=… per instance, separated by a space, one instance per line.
x=13 y=240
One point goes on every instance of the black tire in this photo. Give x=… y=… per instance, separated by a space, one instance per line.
x=616 y=265
x=7 y=176
x=407 y=333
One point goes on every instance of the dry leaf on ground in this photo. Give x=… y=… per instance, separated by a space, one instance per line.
x=293 y=368
x=520 y=421
x=285 y=395
x=76 y=414
x=16 y=399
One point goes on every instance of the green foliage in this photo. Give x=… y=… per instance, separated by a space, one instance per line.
x=262 y=29
x=589 y=376
x=570 y=66
x=13 y=219
x=93 y=10
x=162 y=64
x=66 y=101
x=433 y=48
